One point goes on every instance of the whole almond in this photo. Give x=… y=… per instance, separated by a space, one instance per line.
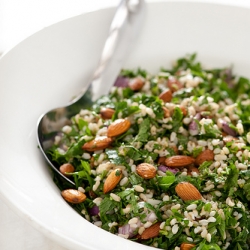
x=66 y=168
x=187 y=246
x=166 y=95
x=146 y=171
x=151 y=232
x=106 y=113
x=118 y=127
x=98 y=143
x=178 y=161
x=112 y=180
x=187 y=191
x=73 y=196
x=174 y=84
x=206 y=155
x=136 y=84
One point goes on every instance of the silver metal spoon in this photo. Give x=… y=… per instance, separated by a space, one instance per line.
x=124 y=28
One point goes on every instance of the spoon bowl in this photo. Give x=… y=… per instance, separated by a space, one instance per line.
x=124 y=27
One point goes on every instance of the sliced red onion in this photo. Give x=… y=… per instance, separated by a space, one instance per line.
x=226 y=128
x=94 y=210
x=151 y=217
x=124 y=229
x=121 y=81
x=198 y=116
x=193 y=128
x=164 y=169
x=173 y=170
x=127 y=230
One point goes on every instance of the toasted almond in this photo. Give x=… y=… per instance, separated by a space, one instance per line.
x=146 y=171
x=206 y=155
x=73 y=196
x=174 y=84
x=151 y=232
x=118 y=127
x=136 y=84
x=66 y=168
x=98 y=143
x=187 y=191
x=112 y=180
x=166 y=95
x=187 y=246
x=106 y=113
x=178 y=161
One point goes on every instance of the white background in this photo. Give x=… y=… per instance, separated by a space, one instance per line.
x=20 y=19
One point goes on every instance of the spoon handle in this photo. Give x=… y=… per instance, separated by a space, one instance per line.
x=124 y=28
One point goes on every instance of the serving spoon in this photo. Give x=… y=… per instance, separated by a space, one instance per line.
x=124 y=28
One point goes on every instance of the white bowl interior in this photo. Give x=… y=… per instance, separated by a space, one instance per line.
x=48 y=68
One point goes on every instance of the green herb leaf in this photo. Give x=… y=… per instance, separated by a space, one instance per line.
x=231 y=181
x=177 y=119
x=144 y=129
x=166 y=181
x=114 y=157
x=75 y=149
x=107 y=205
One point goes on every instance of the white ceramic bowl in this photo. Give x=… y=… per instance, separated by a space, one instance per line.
x=48 y=68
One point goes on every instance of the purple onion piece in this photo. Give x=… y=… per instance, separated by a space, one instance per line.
x=198 y=116
x=121 y=81
x=193 y=128
x=127 y=230
x=227 y=129
x=151 y=217
x=94 y=210
x=124 y=229
x=162 y=168
x=173 y=170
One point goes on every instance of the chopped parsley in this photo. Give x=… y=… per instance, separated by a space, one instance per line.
x=188 y=124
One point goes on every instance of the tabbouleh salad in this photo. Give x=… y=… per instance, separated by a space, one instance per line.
x=164 y=159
